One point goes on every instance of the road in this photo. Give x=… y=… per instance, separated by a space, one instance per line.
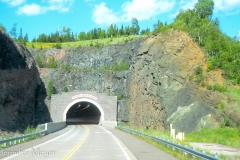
x=80 y=142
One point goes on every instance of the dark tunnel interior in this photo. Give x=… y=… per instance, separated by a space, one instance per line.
x=83 y=113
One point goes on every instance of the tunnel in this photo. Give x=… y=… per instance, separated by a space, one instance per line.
x=83 y=113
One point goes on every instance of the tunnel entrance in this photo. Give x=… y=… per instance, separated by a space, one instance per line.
x=83 y=113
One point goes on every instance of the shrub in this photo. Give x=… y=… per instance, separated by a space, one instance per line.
x=198 y=70
x=52 y=63
x=219 y=88
x=122 y=66
x=30 y=130
x=209 y=87
x=50 y=89
x=58 y=46
x=119 y=96
x=40 y=61
x=222 y=106
x=199 y=78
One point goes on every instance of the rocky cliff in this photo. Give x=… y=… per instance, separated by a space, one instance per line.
x=20 y=103
x=157 y=88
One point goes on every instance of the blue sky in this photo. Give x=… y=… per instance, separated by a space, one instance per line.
x=46 y=16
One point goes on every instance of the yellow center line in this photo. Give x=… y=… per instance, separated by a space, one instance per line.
x=77 y=146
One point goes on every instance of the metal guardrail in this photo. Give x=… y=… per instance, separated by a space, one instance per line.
x=19 y=139
x=182 y=148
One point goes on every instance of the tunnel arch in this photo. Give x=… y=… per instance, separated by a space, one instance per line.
x=83 y=100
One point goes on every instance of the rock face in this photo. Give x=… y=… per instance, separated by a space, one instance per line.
x=161 y=92
x=19 y=87
x=156 y=88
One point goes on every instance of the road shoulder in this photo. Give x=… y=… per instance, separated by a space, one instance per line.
x=139 y=148
x=23 y=146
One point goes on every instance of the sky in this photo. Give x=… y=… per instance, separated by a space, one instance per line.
x=49 y=16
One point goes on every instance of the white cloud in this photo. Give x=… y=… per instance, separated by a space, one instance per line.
x=219 y=5
x=143 y=10
x=59 y=5
x=226 y=5
x=48 y=5
x=14 y=2
x=184 y=5
x=187 y=4
x=103 y=15
x=30 y=10
x=139 y=9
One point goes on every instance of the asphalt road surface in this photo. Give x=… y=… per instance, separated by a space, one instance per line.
x=79 y=142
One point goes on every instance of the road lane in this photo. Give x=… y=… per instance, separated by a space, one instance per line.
x=53 y=149
x=101 y=144
x=82 y=142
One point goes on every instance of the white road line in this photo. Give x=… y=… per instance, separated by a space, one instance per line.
x=117 y=142
x=40 y=144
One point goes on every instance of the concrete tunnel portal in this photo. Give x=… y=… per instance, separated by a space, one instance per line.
x=84 y=107
x=83 y=113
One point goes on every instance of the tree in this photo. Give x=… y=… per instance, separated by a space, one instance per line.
x=13 y=31
x=111 y=31
x=82 y=36
x=26 y=37
x=135 y=26
x=103 y=34
x=204 y=8
x=145 y=32
x=20 y=37
x=121 y=31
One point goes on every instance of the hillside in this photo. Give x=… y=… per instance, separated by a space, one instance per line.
x=162 y=84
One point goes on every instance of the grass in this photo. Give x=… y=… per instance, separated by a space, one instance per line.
x=163 y=134
x=29 y=130
x=86 y=43
x=234 y=93
x=225 y=136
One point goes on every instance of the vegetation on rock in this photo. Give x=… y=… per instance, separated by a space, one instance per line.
x=221 y=51
x=50 y=89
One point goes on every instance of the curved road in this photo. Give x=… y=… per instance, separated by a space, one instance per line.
x=80 y=142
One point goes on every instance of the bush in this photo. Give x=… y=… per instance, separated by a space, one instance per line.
x=119 y=96
x=30 y=130
x=50 y=89
x=40 y=61
x=219 y=88
x=198 y=70
x=222 y=106
x=209 y=87
x=58 y=46
x=199 y=78
x=52 y=63
x=122 y=66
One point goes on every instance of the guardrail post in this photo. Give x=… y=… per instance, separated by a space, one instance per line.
x=173 y=134
x=5 y=143
x=171 y=130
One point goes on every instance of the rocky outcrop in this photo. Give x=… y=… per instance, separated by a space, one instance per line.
x=161 y=92
x=20 y=86
x=156 y=88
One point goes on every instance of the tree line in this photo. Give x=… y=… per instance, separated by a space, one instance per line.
x=65 y=35
x=17 y=37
